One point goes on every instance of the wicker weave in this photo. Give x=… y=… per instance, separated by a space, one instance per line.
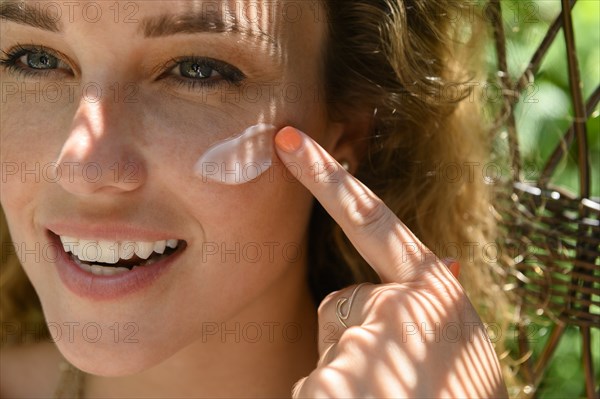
x=553 y=236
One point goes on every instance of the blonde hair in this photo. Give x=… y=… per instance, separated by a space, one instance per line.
x=414 y=63
x=20 y=307
x=394 y=60
x=399 y=58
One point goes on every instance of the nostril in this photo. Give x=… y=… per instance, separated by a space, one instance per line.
x=91 y=177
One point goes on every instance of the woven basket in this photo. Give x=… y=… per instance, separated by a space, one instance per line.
x=552 y=236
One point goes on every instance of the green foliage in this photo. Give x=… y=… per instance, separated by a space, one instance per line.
x=543 y=114
x=564 y=377
x=544 y=111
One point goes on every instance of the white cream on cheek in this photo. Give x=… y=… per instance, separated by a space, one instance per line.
x=240 y=159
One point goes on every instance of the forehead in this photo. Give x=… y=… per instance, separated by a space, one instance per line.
x=271 y=22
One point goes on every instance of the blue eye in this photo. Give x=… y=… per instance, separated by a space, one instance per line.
x=196 y=72
x=191 y=72
x=41 y=60
x=34 y=61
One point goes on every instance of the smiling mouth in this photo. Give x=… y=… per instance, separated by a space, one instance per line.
x=108 y=258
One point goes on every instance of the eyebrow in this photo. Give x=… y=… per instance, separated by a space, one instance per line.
x=25 y=14
x=20 y=12
x=200 y=22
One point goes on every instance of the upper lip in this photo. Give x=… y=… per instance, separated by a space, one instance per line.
x=110 y=231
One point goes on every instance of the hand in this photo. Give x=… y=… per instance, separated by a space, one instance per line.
x=414 y=335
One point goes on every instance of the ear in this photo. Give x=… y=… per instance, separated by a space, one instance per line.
x=348 y=141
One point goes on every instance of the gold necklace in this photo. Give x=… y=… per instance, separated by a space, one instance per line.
x=71 y=382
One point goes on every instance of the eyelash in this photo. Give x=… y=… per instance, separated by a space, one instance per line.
x=9 y=62
x=230 y=74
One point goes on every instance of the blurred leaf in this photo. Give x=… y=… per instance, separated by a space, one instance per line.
x=543 y=115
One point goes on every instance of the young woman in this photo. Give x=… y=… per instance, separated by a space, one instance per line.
x=171 y=260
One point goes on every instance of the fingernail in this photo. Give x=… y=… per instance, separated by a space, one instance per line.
x=288 y=139
x=453 y=266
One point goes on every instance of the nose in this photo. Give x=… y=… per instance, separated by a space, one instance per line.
x=100 y=154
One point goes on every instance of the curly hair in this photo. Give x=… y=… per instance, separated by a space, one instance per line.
x=409 y=62
x=407 y=65
x=414 y=65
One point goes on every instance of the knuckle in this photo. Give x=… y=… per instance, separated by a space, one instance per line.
x=319 y=378
x=366 y=211
x=356 y=338
x=387 y=296
x=386 y=303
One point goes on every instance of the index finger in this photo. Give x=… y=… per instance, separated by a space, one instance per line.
x=379 y=236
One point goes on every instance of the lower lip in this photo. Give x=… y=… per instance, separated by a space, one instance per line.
x=108 y=288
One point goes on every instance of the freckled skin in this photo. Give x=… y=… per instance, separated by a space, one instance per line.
x=155 y=137
x=190 y=328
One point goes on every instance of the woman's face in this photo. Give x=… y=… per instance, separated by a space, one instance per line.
x=106 y=107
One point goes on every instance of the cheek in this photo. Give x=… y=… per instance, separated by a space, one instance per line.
x=243 y=237
x=32 y=132
x=239 y=160
x=181 y=134
x=244 y=234
x=30 y=138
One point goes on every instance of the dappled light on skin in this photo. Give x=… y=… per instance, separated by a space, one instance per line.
x=258 y=25
x=397 y=355
x=443 y=281
x=260 y=29
x=466 y=348
x=96 y=142
x=88 y=127
x=358 y=213
x=418 y=289
x=272 y=112
x=163 y=131
x=466 y=373
x=429 y=301
x=418 y=292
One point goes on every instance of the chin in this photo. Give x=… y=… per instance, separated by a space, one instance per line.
x=109 y=359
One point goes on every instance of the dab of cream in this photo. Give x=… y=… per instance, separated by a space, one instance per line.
x=240 y=159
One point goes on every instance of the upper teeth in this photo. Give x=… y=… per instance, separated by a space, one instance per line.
x=112 y=251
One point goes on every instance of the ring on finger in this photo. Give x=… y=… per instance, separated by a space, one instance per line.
x=338 y=309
